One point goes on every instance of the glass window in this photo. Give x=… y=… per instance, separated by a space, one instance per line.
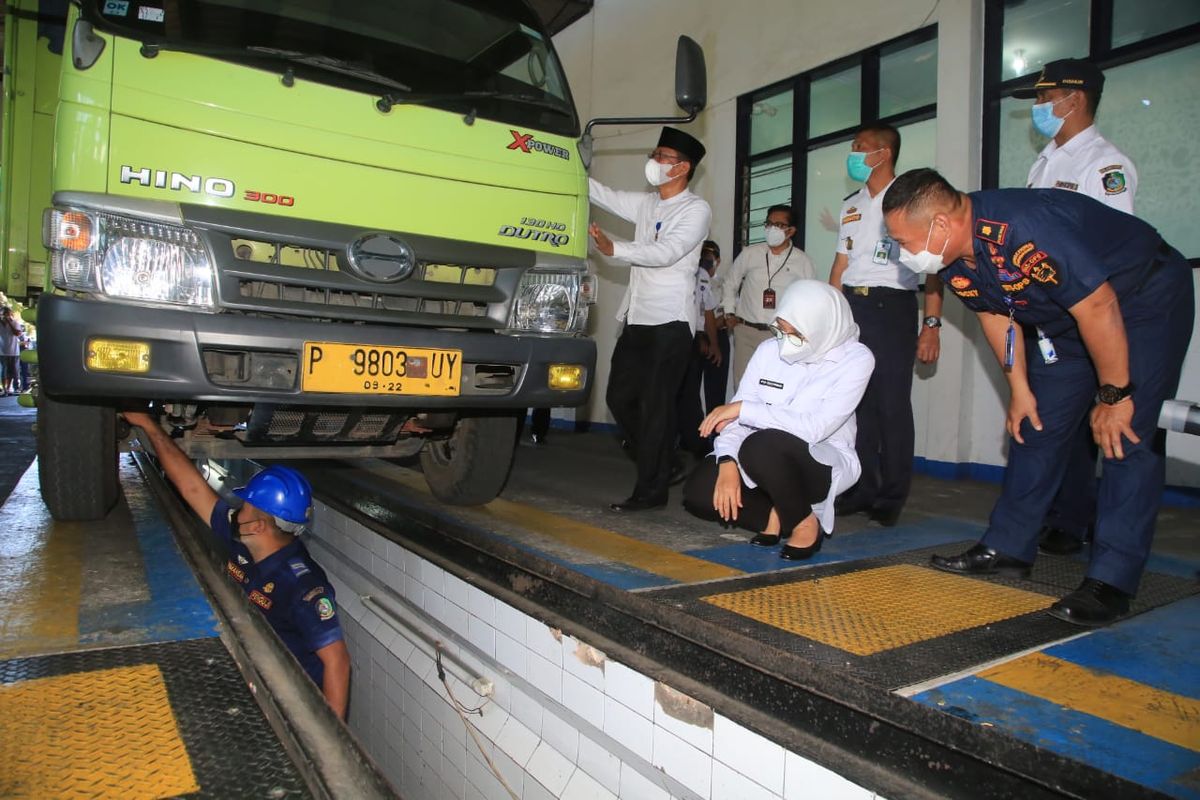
x=770 y=184
x=908 y=78
x=835 y=102
x=1037 y=31
x=1134 y=20
x=1019 y=142
x=771 y=122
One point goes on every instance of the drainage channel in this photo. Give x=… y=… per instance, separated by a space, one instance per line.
x=481 y=669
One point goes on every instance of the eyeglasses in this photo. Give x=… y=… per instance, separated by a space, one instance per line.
x=796 y=339
x=663 y=158
x=783 y=226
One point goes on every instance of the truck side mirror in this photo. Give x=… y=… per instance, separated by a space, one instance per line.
x=691 y=78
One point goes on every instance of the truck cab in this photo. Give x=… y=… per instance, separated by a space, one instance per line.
x=302 y=229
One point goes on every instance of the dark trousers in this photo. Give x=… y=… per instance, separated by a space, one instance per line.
x=648 y=365
x=688 y=410
x=1074 y=507
x=888 y=326
x=789 y=480
x=716 y=378
x=1158 y=325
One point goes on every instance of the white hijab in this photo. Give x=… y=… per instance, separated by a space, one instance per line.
x=820 y=314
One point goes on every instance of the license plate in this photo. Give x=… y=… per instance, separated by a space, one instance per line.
x=371 y=369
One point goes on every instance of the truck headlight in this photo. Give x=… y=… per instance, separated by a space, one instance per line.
x=127 y=258
x=551 y=301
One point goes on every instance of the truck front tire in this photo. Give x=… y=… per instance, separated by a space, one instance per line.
x=77 y=459
x=471 y=467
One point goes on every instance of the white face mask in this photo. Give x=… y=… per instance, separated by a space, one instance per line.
x=924 y=261
x=775 y=236
x=656 y=173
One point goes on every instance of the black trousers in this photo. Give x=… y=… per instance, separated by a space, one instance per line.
x=888 y=326
x=716 y=378
x=648 y=365
x=789 y=480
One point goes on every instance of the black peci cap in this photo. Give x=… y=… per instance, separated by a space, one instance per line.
x=1067 y=73
x=685 y=143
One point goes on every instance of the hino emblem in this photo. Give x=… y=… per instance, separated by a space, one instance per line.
x=177 y=181
x=381 y=257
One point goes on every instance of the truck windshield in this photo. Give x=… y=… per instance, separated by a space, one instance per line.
x=488 y=58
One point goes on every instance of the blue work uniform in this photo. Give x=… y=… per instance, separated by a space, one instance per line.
x=1038 y=252
x=290 y=589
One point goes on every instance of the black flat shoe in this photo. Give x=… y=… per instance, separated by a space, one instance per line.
x=981 y=560
x=635 y=503
x=765 y=540
x=1057 y=542
x=790 y=553
x=1093 y=604
x=887 y=517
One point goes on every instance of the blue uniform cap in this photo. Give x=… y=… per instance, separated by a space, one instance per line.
x=281 y=492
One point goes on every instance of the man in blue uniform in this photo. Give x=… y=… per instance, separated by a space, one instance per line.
x=266 y=559
x=1117 y=302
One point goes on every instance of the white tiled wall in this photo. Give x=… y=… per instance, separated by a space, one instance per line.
x=565 y=721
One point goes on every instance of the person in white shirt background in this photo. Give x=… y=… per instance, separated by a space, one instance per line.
x=883 y=297
x=716 y=370
x=785 y=447
x=756 y=279
x=658 y=309
x=1077 y=159
x=706 y=352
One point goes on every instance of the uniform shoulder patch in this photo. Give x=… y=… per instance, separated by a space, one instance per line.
x=991 y=231
x=1114 y=182
x=299 y=568
x=311 y=593
x=960 y=282
x=1041 y=268
x=325 y=610
x=1111 y=167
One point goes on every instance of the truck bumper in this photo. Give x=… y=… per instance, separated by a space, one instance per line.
x=191 y=354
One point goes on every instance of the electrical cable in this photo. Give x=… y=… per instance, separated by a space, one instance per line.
x=471 y=728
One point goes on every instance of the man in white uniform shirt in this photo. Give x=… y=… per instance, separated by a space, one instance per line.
x=883 y=298
x=659 y=311
x=1078 y=159
x=756 y=280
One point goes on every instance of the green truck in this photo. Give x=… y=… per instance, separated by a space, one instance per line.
x=304 y=228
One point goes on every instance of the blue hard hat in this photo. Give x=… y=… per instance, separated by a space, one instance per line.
x=281 y=492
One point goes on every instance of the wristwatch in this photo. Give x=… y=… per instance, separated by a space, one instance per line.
x=932 y=322
x=1111 y=395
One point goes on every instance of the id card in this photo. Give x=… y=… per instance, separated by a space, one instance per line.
x=883 y=251
x=768 y=298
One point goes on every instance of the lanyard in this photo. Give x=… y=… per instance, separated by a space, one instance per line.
x=1010 y=338
x=767 y=261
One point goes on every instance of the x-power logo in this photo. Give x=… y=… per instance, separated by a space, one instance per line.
x=198 y=184
x=527 y=144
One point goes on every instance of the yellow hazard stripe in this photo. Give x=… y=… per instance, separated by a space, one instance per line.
x=589 y=538
x=1164 y=715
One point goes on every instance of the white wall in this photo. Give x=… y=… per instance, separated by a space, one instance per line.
x=620 y=62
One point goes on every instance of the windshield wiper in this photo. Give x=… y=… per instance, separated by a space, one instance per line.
x=386 y=102
x=323 y=62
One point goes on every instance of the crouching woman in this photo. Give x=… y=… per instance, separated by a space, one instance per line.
x=785 y=447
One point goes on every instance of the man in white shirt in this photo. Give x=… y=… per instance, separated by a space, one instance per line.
x=1078 y=159
x=706 y=351
x=716 y=366
x=755 y=281
x=883 y=297
x=659 y=312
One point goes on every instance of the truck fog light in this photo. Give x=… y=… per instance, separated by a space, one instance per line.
x=118 y=355
x=565 y=377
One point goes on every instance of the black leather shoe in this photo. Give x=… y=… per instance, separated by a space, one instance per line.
x=887 y=517
x=678 y=472
x=1057 y=542
x=765 y=540
x=790 y=553
x=1094 y=603
x=981 y=560
x=635 y=503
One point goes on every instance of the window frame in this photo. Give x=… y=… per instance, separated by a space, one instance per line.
x=867 y=61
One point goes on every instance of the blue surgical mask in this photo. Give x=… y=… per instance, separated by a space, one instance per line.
x=1044 y=120
x=856 y=166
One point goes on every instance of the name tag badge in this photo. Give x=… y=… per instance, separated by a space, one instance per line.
x=768 y=298
x=883 y=251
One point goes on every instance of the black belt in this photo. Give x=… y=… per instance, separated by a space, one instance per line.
x=867 y=291
x=758 y=326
